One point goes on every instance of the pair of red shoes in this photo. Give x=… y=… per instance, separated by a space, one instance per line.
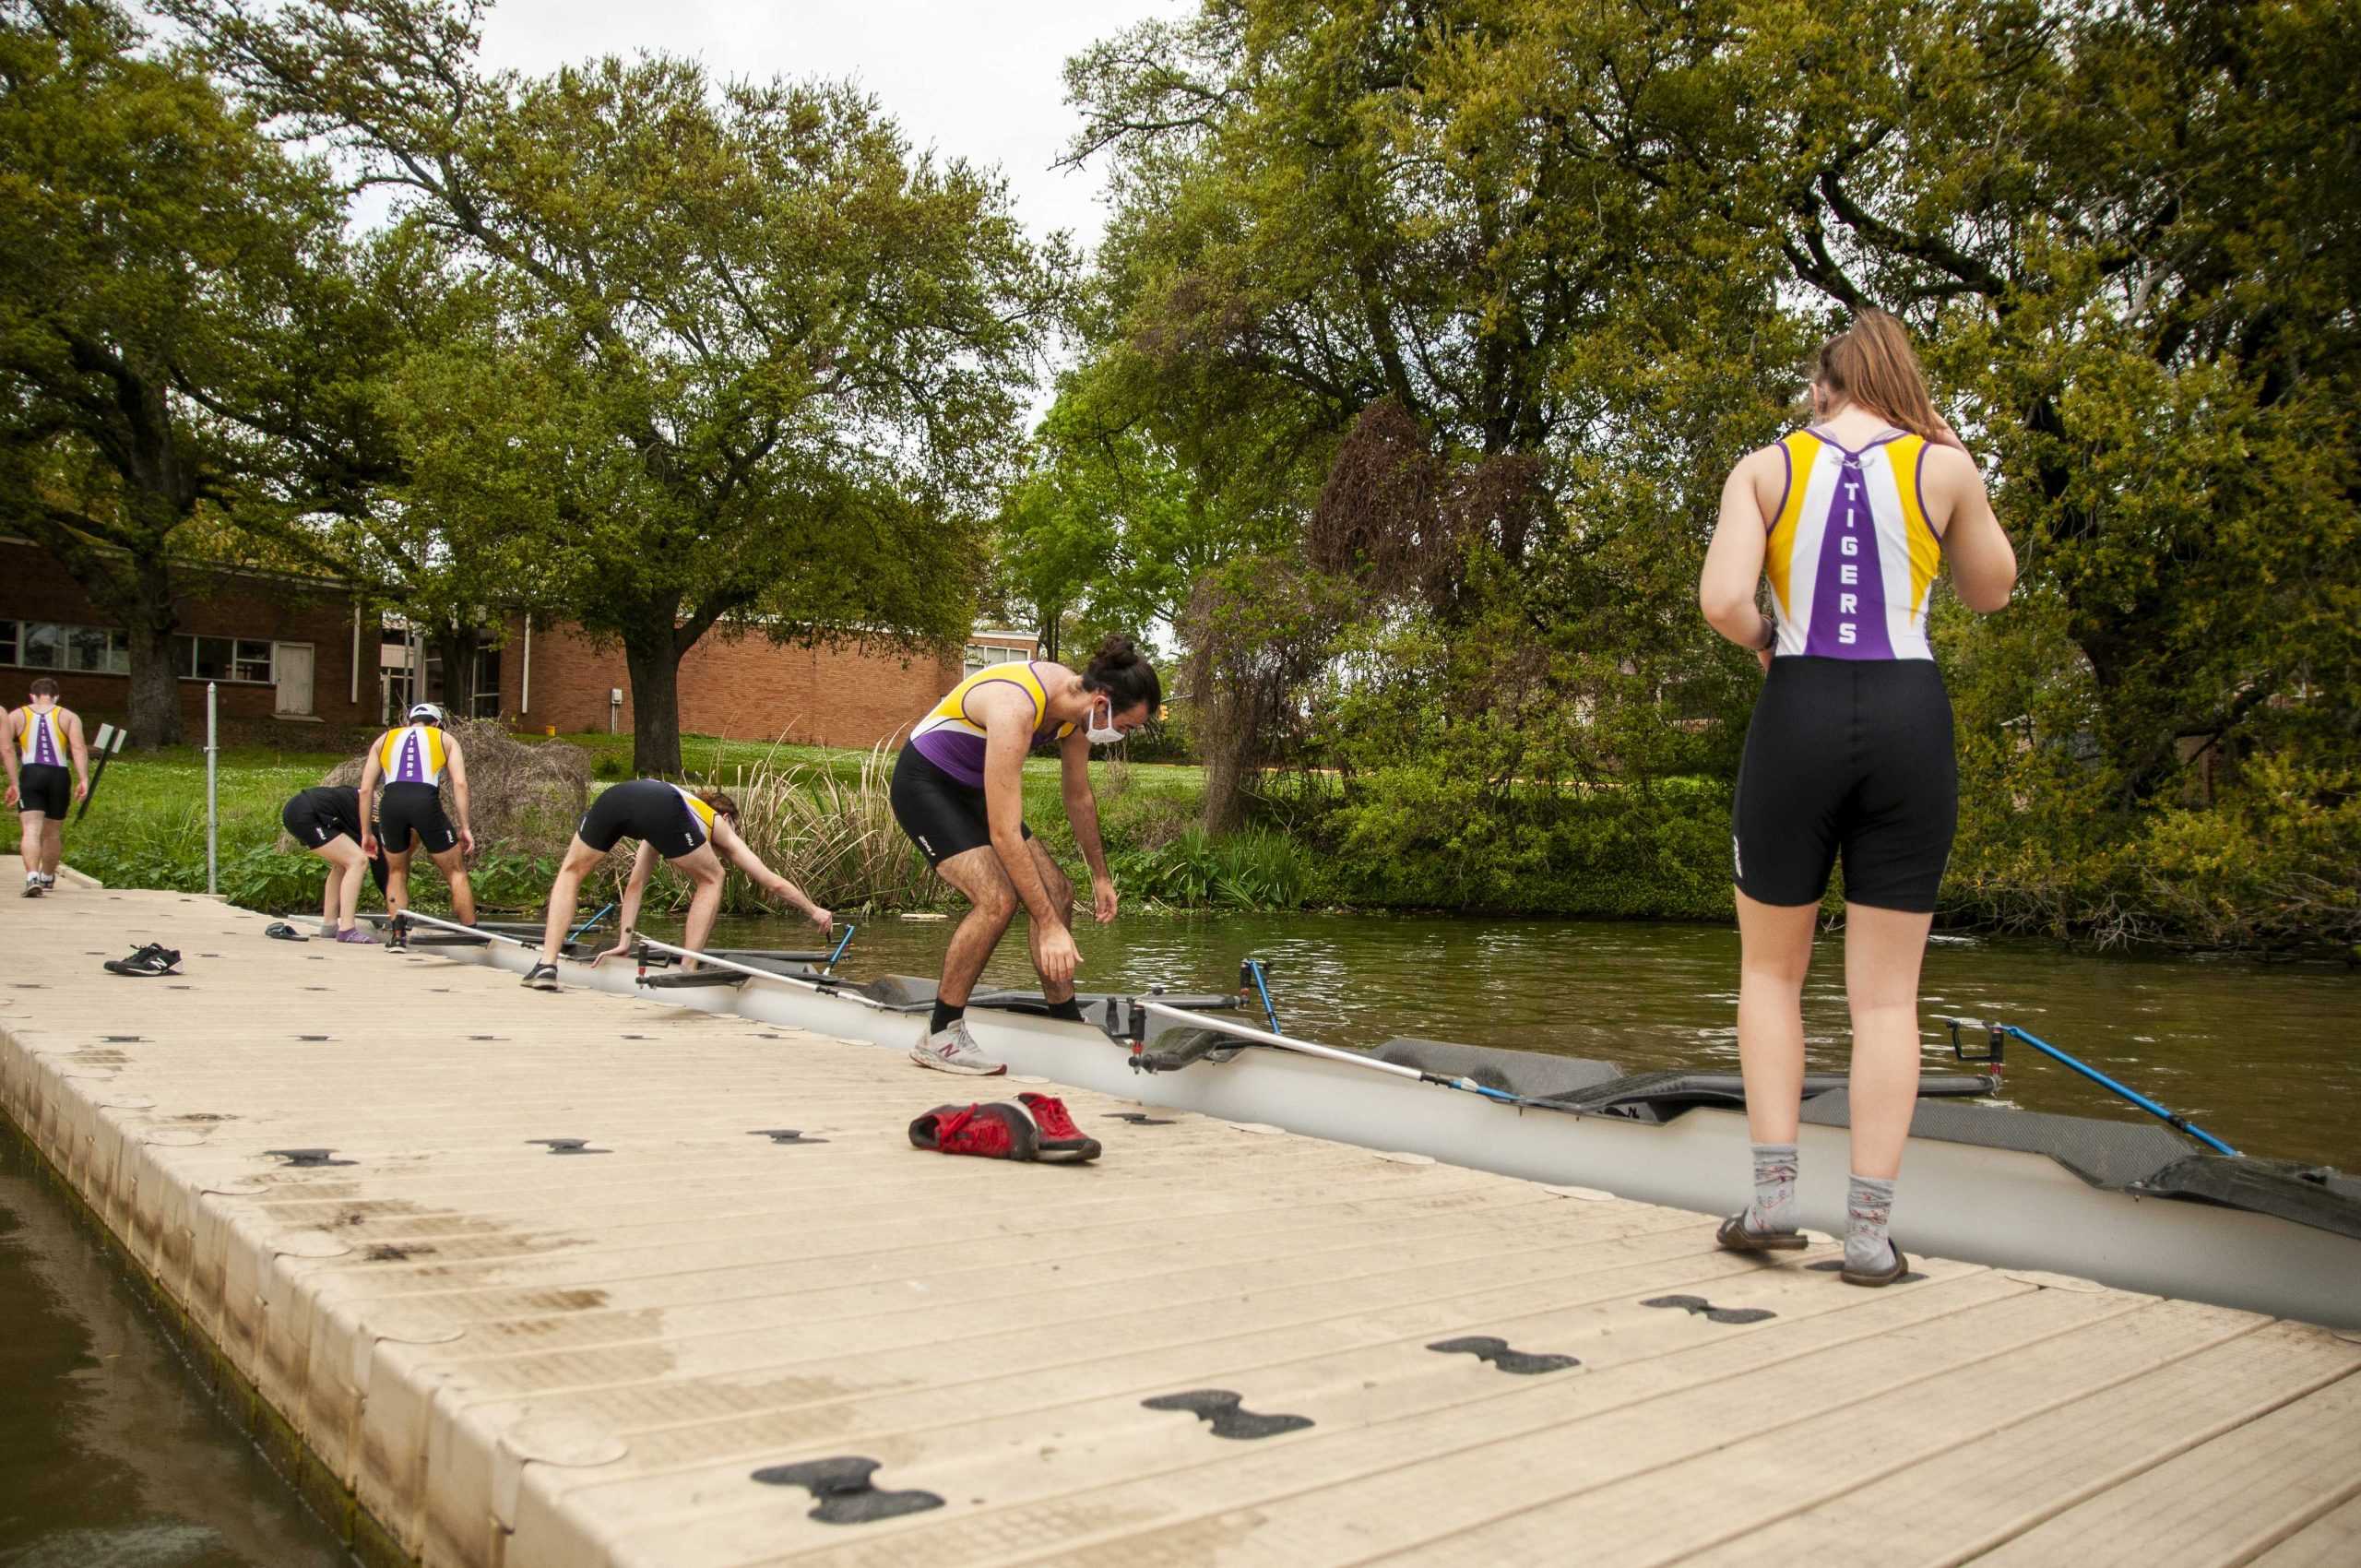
x=1039 y=1128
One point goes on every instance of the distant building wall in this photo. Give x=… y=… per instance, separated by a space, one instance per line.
x=250 y=632
x=745 y=688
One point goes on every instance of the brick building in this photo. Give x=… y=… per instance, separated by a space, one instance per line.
x=741 y=688
x=296 y=657
x=282 y=649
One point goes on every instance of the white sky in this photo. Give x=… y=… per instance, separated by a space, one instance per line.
x=981 y=80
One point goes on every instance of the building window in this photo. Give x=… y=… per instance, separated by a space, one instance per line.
x=487 y=692
x=223 y=659
x=45 y=645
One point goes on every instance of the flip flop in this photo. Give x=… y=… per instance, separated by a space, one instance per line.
x=1886 y=1277
x=284 y=933
x=1735 y=1237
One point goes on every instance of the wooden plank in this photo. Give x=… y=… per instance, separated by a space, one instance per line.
x=2224 y=1502
x=2332 y=1540
x=1953 y=1506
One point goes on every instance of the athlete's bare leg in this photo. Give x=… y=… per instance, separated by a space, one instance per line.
x=703 y=870
x=396 y=880
x=1775 y=954
x=1883 y=952
x=566 y=894
x=453 y=867
x=1059 y=888
x=52 y=845
x=28 y=841
x=340 y=899
x=992 y=899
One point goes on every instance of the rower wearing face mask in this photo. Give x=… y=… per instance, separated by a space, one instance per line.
x=958 y=792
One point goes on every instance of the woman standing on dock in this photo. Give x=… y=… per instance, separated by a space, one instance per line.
x=1849 y=750
x=686 y=829
x=412 y=761
x=958 y=791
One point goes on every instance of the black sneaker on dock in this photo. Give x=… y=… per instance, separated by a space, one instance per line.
x=541 y=976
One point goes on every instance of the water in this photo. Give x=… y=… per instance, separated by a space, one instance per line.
x=112 y=1454
x=2262 y=1056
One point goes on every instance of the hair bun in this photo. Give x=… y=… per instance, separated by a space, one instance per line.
x=1117 y=652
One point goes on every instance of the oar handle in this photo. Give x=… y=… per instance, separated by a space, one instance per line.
x=464 y=930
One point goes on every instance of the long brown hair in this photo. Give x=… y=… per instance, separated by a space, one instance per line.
x=1870 y=362
x=722 y=805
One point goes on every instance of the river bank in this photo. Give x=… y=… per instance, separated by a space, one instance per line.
x=1405 y=843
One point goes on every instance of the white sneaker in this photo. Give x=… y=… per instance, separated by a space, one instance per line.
x=954 y=1049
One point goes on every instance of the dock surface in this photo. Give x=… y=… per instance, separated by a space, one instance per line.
x=547 y=1281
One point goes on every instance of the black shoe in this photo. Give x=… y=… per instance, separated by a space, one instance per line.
x=284 y=933
x=541 y=976
x=152 y=959
x=396 y=937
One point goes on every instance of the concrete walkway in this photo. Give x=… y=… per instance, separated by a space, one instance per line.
x=691 y=1338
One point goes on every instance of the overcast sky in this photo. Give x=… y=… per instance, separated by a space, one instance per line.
x=981 y=80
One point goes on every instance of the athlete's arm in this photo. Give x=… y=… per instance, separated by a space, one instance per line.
x=734 y=845
x=457 y=763
x=9 y=749
x=1082 y=811
x=367 y=790
x=1734 y=561
x=1007 y=717
x=643 y=864
x=81 y=752
x=1984 y=565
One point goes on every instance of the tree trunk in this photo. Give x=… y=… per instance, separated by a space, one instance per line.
x=654 y=661
x=456 y=646
x=150 y=618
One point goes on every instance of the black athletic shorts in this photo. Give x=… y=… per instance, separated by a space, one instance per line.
x=943 y=816
x=405 y=809
x=43 y=788
x=323 y=813
x=647 y=809
x=1848 y=756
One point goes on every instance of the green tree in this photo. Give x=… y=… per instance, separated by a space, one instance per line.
x=184 y=345
x=807 y=343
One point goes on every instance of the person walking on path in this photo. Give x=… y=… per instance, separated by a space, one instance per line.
x=693 y=831
x=1849 y=750
x=958 y=791
x=326 y=819
x=412 y=760
x=42 y=738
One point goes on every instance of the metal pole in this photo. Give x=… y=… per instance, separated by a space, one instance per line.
x=212 y=788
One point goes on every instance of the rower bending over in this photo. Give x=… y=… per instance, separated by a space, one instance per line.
x=958 y=792
x=412 y=761
x=683 y=827
x=326 y=819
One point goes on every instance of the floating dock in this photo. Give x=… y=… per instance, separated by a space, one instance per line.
x=517 y=1280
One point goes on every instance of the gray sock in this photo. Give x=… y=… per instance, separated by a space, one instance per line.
x=1869 y=1206
x=1773 y=1208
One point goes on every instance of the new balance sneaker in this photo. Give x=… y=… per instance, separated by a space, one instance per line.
x=541 y=976
x=49 y=879
x=992 y=1132
x=953 y=1050
x=32 y=885
x=1058 y=1138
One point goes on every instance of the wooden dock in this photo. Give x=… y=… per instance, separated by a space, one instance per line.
x=527 y=1280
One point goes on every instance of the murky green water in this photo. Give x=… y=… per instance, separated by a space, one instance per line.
x=111 y=1455
x=2268 y=1058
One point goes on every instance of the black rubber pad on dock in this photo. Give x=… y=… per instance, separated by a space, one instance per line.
x=1523 y=1363
x=842 y=1488
x=1221 y=1410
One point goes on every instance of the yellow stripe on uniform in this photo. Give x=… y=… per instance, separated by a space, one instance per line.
x=1803 y=448
x=1926 y=550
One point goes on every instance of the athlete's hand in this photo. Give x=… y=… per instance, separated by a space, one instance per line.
x=1059 y=957
x=823 y=919
x=1763 y=657
x=1102 y=899
x=620 y=950
x=467 y=844
x=81 y=789
x=12 y=794
x=368 y=844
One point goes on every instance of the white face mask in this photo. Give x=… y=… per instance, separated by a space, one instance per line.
x=1091 y=730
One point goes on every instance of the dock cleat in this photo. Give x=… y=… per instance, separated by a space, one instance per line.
x=1058 y=1139
x=990 y=1132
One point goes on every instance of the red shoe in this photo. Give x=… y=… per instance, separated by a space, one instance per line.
x=994 y=1132
x=1060 y=1138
